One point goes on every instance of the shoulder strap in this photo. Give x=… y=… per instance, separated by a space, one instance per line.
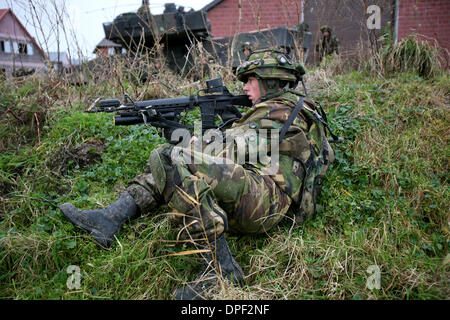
x=336 y=139
x=291 y=118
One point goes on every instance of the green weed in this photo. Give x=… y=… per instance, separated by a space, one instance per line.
x=384 y=200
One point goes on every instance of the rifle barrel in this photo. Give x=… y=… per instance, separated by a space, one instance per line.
x=126 y=121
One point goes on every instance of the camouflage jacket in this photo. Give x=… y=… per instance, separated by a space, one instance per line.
x=328 y=46
x=304 y=153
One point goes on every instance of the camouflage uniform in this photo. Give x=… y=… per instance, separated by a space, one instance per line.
x=329 y=44
x=210 y=198
x=214 y=195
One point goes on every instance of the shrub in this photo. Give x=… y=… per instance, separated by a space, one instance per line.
x=411 y=55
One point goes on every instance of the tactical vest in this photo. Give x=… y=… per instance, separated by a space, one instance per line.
x=315 y=163
x=307 y=144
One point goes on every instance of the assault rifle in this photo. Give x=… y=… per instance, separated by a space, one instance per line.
x=167 y=113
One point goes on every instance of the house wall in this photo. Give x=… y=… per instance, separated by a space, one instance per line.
x=102 y=52
x=430 y=18
x=237 y=16
x=12 y=33
x=107 y=51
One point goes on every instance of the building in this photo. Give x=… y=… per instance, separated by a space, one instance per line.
x=107 y=48
x=229 y=17
x=349 y=19
x=19 y=52
x=60 y=61
x=431 y=19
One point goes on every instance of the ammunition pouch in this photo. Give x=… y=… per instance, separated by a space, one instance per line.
x=315 y=169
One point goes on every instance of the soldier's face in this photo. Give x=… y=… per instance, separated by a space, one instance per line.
x=326 y=34
x=251 y=89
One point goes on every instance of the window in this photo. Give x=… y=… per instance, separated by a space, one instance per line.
x=30 y=49
x=110 y=51
x=7 y=46
x=20 y=47
x=23 y=48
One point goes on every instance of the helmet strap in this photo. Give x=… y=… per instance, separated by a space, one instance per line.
x=270 y=93
x=262 y=89
x=270 y=88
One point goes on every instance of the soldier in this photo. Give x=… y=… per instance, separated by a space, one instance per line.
x=329 y=43
x=210 y=198
x=246 y=49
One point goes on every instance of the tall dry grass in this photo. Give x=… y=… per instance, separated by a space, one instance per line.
x=384 y=201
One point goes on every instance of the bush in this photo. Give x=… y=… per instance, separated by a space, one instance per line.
x=411 y=55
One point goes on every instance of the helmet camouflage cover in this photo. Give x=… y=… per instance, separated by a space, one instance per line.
x=325 y=28
x=246 y=46
x=270 y=64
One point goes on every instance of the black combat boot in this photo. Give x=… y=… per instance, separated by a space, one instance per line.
x=103 y=224
x=218 y=262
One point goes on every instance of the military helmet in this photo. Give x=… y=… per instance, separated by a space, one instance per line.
x=270 y=64
x=303 y=27
x=325 y=28
x=246 y=45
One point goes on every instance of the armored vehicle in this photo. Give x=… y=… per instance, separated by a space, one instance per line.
x=175 y=29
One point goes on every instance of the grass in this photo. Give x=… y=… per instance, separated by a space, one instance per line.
x=412 y=54
x=385 y=200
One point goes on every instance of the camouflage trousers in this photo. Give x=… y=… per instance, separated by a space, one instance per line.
x=209 y=198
